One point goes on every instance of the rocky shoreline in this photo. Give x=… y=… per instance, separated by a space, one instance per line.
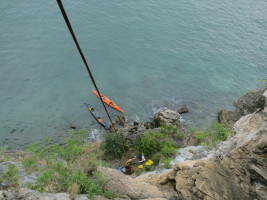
x=237 y=169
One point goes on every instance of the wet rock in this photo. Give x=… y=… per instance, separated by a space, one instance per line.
x=249 y=103
x=120 y=120
x=73 y=126
x=225 y=117
x=183 y=109
x=136 y=123
x=149 y=125
x=167 y=116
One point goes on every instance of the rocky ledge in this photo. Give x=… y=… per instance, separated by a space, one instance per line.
x=238 y=169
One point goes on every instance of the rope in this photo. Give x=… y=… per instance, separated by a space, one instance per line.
x=81 y=53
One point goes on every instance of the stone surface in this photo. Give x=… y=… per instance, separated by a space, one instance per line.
x=249 y=103
x=237 y=171
x=3 y=195
x=125 y=185
x=225 y=117
x=23 y=176
x=167 y=116
x=27 y=194
x=183 y=109
x=191 y=153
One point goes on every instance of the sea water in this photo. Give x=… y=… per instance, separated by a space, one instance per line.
x=144 y=55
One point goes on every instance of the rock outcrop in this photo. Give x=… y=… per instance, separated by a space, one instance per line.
x=225 y=116
x=238 y=169
x=167 y=116
x=249 y=103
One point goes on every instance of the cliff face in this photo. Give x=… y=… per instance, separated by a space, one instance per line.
x=238 y=169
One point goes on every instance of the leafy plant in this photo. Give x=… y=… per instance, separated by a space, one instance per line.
x=148 y=144
x=168 y=149
x=114 y=145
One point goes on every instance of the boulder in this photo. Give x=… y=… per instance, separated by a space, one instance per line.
x=224 y=116
x=168 y=117
x=183 y=109
x=124 y=185
x=249 y=103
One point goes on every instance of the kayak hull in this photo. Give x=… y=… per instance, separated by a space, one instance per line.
x=97 y=117
x=108 y=102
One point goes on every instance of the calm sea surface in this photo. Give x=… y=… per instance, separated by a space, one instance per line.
x=144 y=55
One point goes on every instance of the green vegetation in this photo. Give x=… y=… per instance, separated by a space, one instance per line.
x=67 y=168
x=172 y=130
x=212 y=135
x=114 y=145
x=10 y=176
x=157 y=146
x=148 y=144
x=72 y=166
x=3 y=155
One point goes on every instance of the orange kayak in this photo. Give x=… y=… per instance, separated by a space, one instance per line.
x=108 y=102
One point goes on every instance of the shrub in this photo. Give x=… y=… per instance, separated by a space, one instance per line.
x=168 y=149
x=200 y=135
x=220 y=131
x=148 y=144
x=114 y=145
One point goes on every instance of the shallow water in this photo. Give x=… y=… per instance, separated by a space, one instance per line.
x=144 y=55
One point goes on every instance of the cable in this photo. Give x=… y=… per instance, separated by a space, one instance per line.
x=81 y=53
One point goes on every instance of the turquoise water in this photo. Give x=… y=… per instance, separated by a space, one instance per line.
x=144 y=55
